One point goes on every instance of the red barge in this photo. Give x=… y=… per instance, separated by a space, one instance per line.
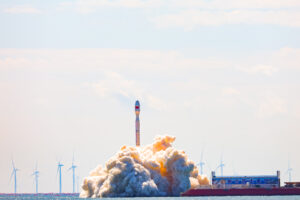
x=242 y=192
x=265 y=185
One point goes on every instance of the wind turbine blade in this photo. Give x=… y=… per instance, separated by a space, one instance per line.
x=222 y=154
x=13 y=164
x=34 y=170
x=11 y=176
x=73 y=159
x=57 y=171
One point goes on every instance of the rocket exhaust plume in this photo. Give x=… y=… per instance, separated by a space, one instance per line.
x=157 y=169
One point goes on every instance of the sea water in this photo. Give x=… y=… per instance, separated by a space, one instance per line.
x=72 y=197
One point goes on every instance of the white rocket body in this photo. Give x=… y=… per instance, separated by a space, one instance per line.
x=137 y=123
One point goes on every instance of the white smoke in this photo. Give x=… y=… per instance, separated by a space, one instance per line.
x=154 y=170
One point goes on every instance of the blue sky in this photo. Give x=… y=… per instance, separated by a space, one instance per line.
x=218 y=75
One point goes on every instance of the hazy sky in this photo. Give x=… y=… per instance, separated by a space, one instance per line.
x=220 y=75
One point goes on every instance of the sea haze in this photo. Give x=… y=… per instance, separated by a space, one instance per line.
x=72 y=197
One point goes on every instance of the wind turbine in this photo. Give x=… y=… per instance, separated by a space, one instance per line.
x=14 y=173
x=73 y=167
x=59 y=166
x=289 y=171
x=201 y=163
x=36 y=174
x=221 y=166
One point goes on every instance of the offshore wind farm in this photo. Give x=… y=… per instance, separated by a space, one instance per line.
x=36 y=176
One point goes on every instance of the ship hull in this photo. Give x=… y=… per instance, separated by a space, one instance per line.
x=242 y=192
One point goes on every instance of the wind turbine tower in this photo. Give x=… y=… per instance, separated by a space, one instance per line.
x=73 y=167
x=14 y=173
x=59 y=166
x=36 y=174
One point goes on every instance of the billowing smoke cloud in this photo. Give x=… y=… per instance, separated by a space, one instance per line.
x=154 y=170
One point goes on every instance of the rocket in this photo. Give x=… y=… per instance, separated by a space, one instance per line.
x=137 y=123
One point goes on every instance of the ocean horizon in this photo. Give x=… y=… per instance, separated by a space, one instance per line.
x=75 y=196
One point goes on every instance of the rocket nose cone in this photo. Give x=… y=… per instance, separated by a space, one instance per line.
x=137 y=105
